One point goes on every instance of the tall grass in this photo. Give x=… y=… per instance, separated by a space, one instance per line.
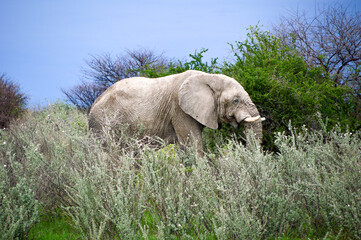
x=121 y=188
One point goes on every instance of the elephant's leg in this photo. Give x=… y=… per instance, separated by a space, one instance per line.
x=188 y=130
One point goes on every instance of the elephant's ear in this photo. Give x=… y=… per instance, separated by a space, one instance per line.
x=197 y=99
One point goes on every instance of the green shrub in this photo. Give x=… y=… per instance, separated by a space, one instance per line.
x=284 y=88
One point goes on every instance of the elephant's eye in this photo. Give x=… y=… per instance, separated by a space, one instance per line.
x=235 y=100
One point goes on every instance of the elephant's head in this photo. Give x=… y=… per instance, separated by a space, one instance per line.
x=214 y=98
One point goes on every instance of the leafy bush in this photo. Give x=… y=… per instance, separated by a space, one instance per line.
x=12 y=101
x=284 y=88
x=310 y=189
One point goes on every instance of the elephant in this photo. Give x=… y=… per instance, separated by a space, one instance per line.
x=176 y=108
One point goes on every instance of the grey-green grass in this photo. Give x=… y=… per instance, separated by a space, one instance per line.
x=120 y=188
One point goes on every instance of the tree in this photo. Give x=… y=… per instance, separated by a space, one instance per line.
x=105 y=70
x=330 y=39
x=12 y=101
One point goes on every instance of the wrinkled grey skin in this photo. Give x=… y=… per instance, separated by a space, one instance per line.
x=175 y=107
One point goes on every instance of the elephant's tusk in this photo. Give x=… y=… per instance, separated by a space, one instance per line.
x=254 y=119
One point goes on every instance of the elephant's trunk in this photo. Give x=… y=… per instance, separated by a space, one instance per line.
x=254 y=124
x=256 y=128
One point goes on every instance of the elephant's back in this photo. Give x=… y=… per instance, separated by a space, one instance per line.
x=145 y=88
x=126 y=89
x=132 y=100
x=137 y=87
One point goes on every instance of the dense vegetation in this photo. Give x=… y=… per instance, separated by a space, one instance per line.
x=52 y=168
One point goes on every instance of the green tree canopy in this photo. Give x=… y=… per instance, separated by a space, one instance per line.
x=284 y=88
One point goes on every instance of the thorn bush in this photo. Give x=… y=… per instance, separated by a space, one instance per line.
x=12 y=101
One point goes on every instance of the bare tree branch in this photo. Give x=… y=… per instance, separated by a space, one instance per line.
x=105 y=70
x=331 y=39
x=84 y=94
x=101 y=71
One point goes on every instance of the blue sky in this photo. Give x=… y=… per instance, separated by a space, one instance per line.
x=44 y=43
